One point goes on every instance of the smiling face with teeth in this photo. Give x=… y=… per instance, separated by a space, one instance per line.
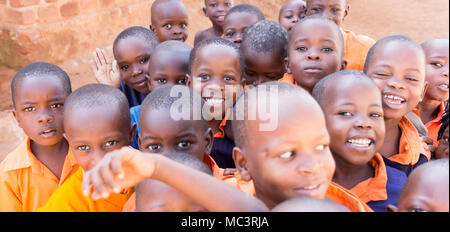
x=398 y=69
x=437 y=53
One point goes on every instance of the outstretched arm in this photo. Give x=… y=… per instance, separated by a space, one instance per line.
x=127 y=167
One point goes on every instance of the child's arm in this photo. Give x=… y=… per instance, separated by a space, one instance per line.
x=127 y=167
x=105 y=72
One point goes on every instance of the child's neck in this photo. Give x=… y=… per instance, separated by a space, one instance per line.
x=266 y=200
x=349 y=175
x=217 y=30
x=429 y=109
x=52 y=157
x=391 y=138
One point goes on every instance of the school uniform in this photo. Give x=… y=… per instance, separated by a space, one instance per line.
x=70 y=198
x=335 y=193
x=26 y=183
x=222 y=150
x=411 y=151
x=383 y=189
x=134 y=113
x=356 y=49
x=134 y=97
x=434 y=125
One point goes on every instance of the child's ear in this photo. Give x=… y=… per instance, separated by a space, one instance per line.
x=347 y=9
x=209 y=137
x=391 y=208
x=240 y=160
x=132 y=133
x=152 y=28
x=286 y=65
x=204 y=11
x=188 y=80
x=344 y=64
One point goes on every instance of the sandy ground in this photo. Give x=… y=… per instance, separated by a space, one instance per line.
x=419 y=19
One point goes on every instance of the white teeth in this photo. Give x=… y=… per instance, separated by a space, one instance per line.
x=360 y=142
x=444 y=86
x=214 y=101
x=310 y=187
x=394 y=99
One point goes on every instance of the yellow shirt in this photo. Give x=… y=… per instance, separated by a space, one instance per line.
x=25 y=183
x=69 y=198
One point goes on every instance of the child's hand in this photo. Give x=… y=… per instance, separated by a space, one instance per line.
x=105 y=72
x=119 y=169
x=428 y=143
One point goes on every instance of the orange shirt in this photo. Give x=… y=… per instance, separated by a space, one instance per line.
x=25 y=183
x=410 y=146
x=221 y=133
x=374 y=188
x=69 y=198
x=434 y=125
x=288 y=78
x=335 y=192
x=356 y=49
x=130 y=206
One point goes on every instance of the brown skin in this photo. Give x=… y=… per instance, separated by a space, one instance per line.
x=398 y=69
x=291 y=13
x=40 y=115
x=168 y=68
x=262 y=67
x=235 y=25
x=436 y=52
x=209 y=78
x=314 y=53
x=442 y=150
x=215 y=10
x=94 y=132
x=353 y=110
x=133 y=56
x=285 y=161
x=334 y=10
x=170 y=21
x=159 y=133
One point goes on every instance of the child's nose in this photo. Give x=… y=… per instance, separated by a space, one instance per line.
x=445 y=73
x=313 y=55
x=363 y=123
x=295 y=19
x=309 y=165
x=393 y=82
x=45 y=117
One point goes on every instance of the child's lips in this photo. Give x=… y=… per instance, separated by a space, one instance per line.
x=309 y=190
x=313 y=70
x=47 y=132
x=393 y=101
x=443 y=87
x=360 y=143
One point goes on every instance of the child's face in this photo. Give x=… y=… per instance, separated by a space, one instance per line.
x=39 y=109
x=155 y=196
x=314 y=53
x=437 y=70
x=235 y=25
x=133 y=55
x=398 y=70
x=216 y=10
x=442 y=149
x=334 y=10
x=94 y=132
x=215 y=81
x=287 y=162
x=159 y=133
x=262 y=67
x=291 y=13
x=354 y=115
x=171 y=22
x=167 y=69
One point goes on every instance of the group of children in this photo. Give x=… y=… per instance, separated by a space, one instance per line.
x=345 y=139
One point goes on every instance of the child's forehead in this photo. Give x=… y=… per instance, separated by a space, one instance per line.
x=440 y=46
x=326 y=2
x=165 y=122
x=133 y=45
x=32 y=85
x=392 y=50
x=316 y=28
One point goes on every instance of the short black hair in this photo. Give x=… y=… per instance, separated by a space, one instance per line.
x=161 y=99
x=386 y=40
x=266 y=36
x=215 y=42
x=95 y=95
x=322 y=87
x=157 y=3
x=246 y=8
x=173 y=47
x=40 y=70
x=332 y=24
x=444 y=121
x=137 y=32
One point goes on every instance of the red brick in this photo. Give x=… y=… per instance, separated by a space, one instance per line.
x=51 y=1
x=106 y=3
x=24 y=17
x=70 y=9
x=23 y=3
x=48 y=13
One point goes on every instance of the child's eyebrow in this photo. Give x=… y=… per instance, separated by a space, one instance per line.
x=151 y=137
x=188 y=134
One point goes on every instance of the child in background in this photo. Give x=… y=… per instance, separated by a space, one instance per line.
x=169 y=20
x=354 y=114
x=132 y=50
x=39 y=165
x=397 y=66
x=238 y=19
x=426 y=189
x=442 y=148
x=432 y=106
x=215 y=10
x=356 y=46
x=96 y=121
x=264 y=48
x=291 y=12
x=219 y=84
x=309 y=204
x=167 y=66
x=315 y=50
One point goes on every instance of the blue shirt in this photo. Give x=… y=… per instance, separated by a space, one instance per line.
x=134 y=97
x=134 y=112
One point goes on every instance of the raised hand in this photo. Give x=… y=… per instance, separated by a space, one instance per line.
x=105 y=71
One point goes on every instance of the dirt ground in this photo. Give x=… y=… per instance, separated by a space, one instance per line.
x=419 y=19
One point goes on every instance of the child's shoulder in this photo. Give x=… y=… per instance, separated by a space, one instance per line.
x=18 y=158
x=362 y=40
